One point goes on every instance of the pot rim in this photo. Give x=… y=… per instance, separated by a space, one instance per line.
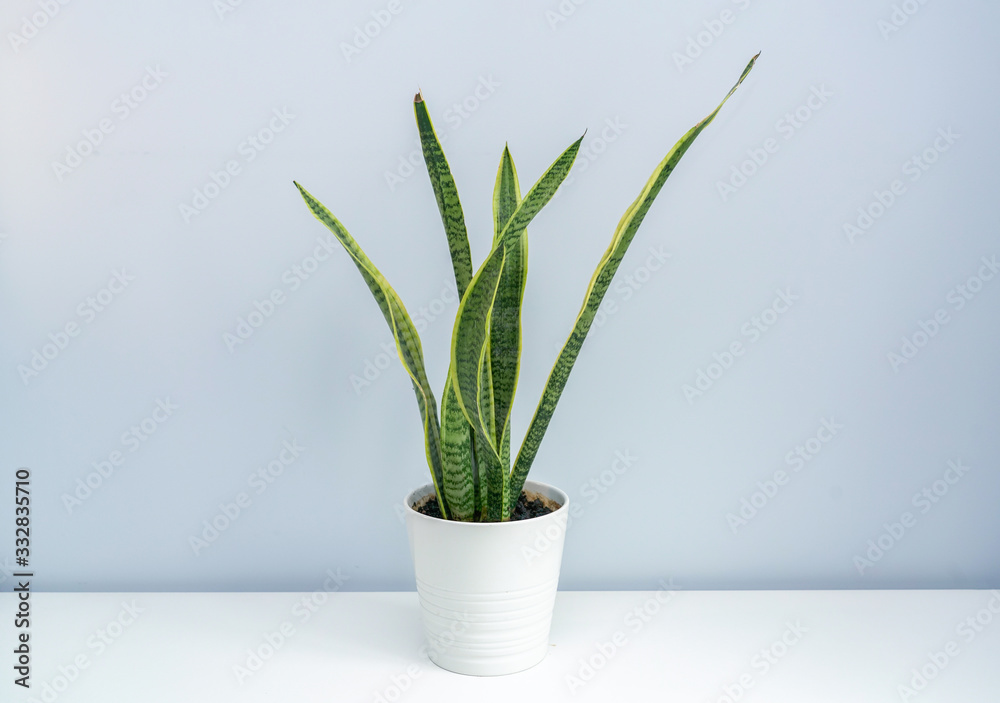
x=560 y=497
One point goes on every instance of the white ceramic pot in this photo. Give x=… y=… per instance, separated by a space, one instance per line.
x=487 y=589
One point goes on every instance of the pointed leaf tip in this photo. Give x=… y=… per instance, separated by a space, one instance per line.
x=418 y=98
x=599 y=284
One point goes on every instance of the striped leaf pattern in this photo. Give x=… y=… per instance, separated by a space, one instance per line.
x=446 y=194
x=473 y=328
x=457 y=457
x=480 y=463
x=469 y=345
x=506 y=194
x=468 y=448
x=505 y=322
x=599 y=284
x=496 y=485
x=540 y=194
x=485 y=390
x=471 y=380
x=404 y=332
x=457 y=436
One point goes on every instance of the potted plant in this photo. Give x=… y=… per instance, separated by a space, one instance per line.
x=485 y=588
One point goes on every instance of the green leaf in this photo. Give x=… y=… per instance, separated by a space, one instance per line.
x=471 y=378
x=599 y=284
x=479 y=449
x=506 y=194
x=472 y=333
x=494 y=472
x=473 y=330
x=446 y=194
x=405 y=334
x=457 y=458
x=496 y=485
x=486 y=390
x=505 y=322
x=540 y=194
x=458 y=452
x=469 y=343
x=505 y=452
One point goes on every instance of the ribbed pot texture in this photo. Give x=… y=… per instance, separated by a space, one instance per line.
x=487 y=589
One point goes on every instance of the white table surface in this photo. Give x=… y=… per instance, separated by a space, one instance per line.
x=701 y=646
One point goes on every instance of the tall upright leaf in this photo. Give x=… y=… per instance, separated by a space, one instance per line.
x=457 y=437
x=446 y=194
x=599 y=284
x=469 y=343
x=458 y=460
x=494 y=473
x=505 y=322
x=472 y=329
x=471 y=378
x=405 y=334
x=537 y=197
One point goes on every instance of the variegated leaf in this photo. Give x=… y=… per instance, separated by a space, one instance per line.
x=446 y=194
x=405 y=334
x=599 y=284
x=505 y=322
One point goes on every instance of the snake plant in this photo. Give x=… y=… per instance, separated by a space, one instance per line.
x=468 y=445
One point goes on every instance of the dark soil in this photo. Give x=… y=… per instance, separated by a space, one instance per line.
x=529 y=505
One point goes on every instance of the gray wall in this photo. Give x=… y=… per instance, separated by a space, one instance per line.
x=869 y=351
